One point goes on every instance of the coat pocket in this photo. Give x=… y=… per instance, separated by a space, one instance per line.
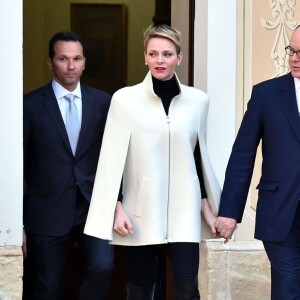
x=267 y=186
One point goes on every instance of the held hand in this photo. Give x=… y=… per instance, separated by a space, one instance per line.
x=209 y=217
x=225 y=227
x=24 y=244
x=122 y=224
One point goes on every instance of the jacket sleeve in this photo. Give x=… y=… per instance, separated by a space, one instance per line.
x=26 y=131
x=241 y=162
x=110 y=169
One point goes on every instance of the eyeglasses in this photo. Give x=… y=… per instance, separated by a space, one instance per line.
x=290 y=51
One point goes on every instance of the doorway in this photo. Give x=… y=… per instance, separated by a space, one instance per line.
x=41 y=21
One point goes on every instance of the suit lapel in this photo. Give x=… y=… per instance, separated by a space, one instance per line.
x=288 y=103
x=51 y=105
x=87 y=112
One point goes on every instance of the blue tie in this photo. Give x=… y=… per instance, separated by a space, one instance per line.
x=72 y=122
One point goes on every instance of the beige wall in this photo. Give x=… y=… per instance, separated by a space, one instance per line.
x=43 y=18
x=271 y=30
x=262 y=42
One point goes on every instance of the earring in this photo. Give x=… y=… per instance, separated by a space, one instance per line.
x=146 y=63
x=178 y=63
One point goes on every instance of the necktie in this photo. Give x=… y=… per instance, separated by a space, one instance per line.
x=72 y=122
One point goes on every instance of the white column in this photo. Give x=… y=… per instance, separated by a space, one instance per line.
x=215 y=72
x=11 y=149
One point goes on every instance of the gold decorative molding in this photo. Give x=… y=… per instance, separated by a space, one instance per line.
x=283 y=12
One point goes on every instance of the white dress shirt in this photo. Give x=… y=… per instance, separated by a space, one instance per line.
x=60 y=92
x=297 y=87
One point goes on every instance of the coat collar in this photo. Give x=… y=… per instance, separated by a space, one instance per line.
x=51 y=105
x=87 y=111
x=148 y=83
x=288 y=102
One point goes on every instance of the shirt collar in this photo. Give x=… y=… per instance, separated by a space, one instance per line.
x=297 y=83
x=60 y=91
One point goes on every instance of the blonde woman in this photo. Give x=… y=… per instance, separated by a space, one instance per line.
x=155 y=140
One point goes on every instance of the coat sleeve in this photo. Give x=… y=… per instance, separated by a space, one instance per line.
x=110 y=169
x=210 y=181
x=241 y=162
x=26 y=131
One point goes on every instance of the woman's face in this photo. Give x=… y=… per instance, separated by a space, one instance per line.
x=162 y=58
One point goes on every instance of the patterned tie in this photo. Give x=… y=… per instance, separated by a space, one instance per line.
x=72 y=122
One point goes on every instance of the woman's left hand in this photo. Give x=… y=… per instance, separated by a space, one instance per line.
x=122 y=224
x=208 y=216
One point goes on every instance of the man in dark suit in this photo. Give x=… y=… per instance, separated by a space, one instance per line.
x=62 y=140
x=272 y=117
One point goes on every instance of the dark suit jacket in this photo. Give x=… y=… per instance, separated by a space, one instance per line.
x=272 y=117
x=50 y=169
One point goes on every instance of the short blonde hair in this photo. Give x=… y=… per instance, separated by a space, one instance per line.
x=163 y=31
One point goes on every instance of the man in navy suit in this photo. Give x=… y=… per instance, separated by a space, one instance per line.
x=59 y=174
x=273 y=118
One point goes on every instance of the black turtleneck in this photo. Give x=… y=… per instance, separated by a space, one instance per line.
x=166 y=90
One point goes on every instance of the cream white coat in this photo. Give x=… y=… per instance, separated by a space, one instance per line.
x=154 y=154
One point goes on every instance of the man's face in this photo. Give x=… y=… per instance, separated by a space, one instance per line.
x=294 y=60
x=67 y=64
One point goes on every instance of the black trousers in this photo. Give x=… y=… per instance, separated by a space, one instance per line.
x=285 y=264
x=44 y=267
x=142 y=263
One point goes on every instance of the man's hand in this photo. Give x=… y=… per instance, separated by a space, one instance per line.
x=122 y=224
x=24 y=244
x=225 y=227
